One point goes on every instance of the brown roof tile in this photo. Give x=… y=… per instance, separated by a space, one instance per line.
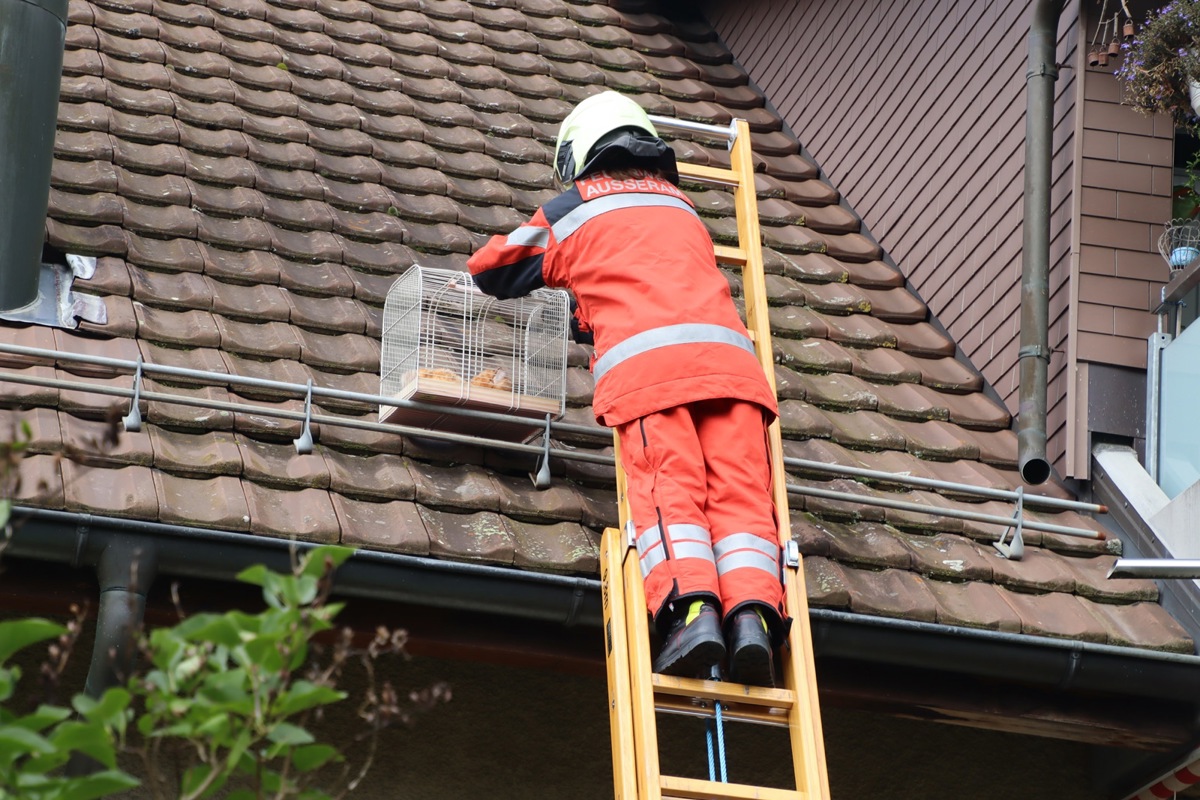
x=331 y=280
x=249 y=267
x=306 y=514
x=41 y=482
x=185 y=328
x=263 y=420
x=466 y=488
x=178 y=290
x=866 y=544
x=86 y=240
x=973 y=605
x=825 y=583
x=211 y=502
x=190 y=416
x=483 y=536
x=396 y=526
x=817 y=355
x=211 y=453
x=115 y=492
x=375 y=478
x=263 y=339
x=949 y=558
x=94 y=175
x=1141 y=625
x=1055 y=614
x=890 y=593
x=561 y=547
x=279 y=465
x=936 y=440
x=45 y=431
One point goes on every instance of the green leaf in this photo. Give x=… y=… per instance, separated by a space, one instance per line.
x=222 y=630
x=98 y=784
x=313 y=756
x=90 y=739
x=8 y=681
x=314 y=561
x=108 y=710
x=304 y=695
x=215 y=727
x=228 y=689
x=237 y=753
x=42 y=718
x=288 y=734
x=16 y=740
x=20 y=633
x=256 y=575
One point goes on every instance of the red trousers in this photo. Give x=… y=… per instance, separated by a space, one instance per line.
x=699 y=484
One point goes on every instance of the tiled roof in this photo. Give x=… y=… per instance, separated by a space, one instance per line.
x=252 y=176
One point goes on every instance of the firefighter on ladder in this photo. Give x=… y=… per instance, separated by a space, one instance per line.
x=676 y=376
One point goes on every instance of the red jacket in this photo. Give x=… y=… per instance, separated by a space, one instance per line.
x=641 y=266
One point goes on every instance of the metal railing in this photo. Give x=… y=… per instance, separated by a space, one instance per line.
x=307 y=392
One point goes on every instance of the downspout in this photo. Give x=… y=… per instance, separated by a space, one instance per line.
x=32 y=36
x=125 y=569
x=1034 y=355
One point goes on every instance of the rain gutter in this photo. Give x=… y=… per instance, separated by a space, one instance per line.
x=83 y=539
x=1034 y=354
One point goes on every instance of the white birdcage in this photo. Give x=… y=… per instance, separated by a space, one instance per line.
x=447 y=343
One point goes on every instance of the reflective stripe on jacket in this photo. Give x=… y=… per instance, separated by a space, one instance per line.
x=640 y=263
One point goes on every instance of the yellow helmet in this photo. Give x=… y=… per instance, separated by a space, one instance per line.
x=584 y=138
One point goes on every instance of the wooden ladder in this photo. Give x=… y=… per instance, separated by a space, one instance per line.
x=635 y=694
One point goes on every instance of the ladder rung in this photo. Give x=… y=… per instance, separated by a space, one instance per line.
x=734 y=256
x=757 y=715
x=715 y=175
x=720 y=690
x=691 y=789
x=694 y=698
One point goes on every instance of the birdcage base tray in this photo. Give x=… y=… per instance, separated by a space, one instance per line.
x=480 y=398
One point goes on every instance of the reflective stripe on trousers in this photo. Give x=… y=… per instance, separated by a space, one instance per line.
x=686 y=541
x=746 y=551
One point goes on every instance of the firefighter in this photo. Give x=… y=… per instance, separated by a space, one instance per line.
x=676 y=377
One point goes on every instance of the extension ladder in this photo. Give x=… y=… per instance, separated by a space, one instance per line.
x=636 y=694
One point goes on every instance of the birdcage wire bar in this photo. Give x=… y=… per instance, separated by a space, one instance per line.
x=447 y=343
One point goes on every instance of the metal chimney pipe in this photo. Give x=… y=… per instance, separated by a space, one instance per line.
x=1034 y=355
x=32 y=35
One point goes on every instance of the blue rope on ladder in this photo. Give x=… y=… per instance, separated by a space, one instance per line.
x=715 y=729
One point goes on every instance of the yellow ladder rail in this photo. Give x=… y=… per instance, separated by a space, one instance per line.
x=636 y=695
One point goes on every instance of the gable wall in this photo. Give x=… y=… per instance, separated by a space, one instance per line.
x=916 y=112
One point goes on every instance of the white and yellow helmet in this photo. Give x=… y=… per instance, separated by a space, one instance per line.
x=584 y=138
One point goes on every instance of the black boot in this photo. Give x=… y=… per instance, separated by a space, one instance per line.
x=751 y=661
x=693 y=645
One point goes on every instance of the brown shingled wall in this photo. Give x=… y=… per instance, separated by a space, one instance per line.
x=916 y=111
x=1124 y=200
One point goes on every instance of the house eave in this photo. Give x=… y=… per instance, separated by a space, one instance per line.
x=79 y=540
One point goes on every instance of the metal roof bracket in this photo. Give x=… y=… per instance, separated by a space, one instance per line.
x=1015 y=549
x=133 y=420
x=541 y=480
x=304 y=442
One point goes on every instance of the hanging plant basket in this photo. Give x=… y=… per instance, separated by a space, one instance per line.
x=1179 y=244
x=1160 y=63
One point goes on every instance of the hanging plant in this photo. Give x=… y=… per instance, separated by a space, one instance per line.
x=1163 y=62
